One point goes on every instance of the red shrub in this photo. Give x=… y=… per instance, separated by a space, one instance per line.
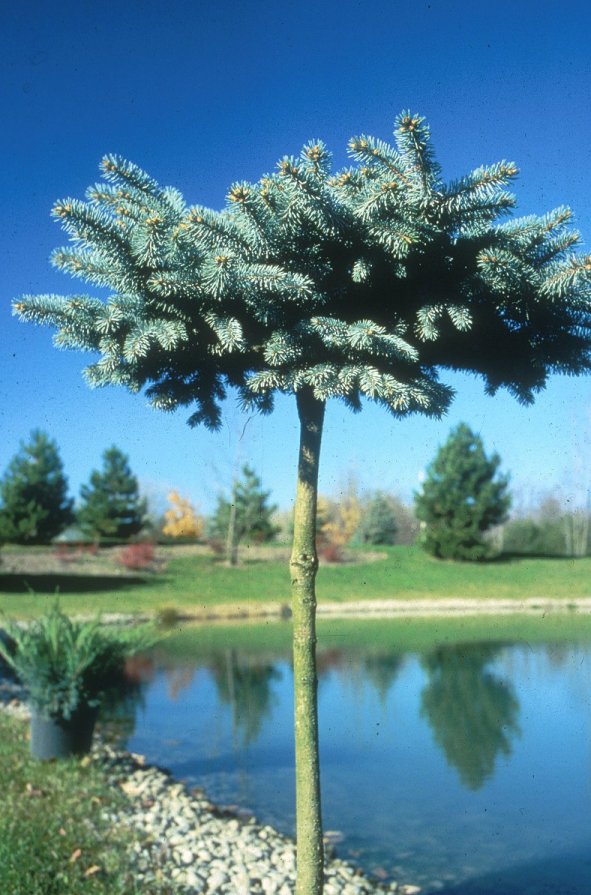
x=137 y=556
x=331 y=552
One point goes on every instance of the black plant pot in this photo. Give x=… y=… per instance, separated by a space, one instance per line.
x=60 y=737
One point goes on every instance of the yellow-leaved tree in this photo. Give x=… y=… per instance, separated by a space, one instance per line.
x=181 y=519
x=337 y=521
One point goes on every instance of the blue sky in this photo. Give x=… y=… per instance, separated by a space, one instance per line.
x=201 y=95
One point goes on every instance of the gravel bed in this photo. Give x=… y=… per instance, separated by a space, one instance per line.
x=180 y=839
x=203 y=849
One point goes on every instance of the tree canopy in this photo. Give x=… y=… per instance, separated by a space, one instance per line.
x=180 y=519
x=359 y=283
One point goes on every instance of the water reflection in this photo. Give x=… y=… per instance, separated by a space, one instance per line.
x=358 y=670
x=381 y=670
x=246 y=686
x=472 y=712
x=118 y=709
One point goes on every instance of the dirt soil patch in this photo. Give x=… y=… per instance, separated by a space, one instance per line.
x=60 y=561
x=63 y=562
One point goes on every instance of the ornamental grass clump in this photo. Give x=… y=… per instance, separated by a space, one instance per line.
x=66 y=665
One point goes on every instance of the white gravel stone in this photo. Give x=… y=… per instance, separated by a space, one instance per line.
x=216 y=880
x=193 y=880
x=241 y=887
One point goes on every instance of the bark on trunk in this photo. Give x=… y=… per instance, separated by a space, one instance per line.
x=303 y=566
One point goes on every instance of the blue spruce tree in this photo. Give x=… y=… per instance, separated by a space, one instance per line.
x=359 y=284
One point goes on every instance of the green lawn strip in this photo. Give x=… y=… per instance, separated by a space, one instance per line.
x=194 y=583
x=272 y=640
x=54 y=837
x=409 y=573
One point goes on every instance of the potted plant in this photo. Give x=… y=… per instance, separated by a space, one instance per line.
x=67 y=667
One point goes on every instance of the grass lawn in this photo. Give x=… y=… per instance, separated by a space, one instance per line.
x=54 y=836
x=199 y=581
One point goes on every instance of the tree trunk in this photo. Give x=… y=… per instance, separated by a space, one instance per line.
x=581 y=526
x=303 y=566
x=231 y=540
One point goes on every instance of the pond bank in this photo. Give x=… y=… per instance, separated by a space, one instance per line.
x=182 y=839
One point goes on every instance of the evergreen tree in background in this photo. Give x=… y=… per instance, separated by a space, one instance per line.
x=462 y=497
x=247 y=516
x=111 y=508
x=378 y=525
x=34 y=502
x=359 y=284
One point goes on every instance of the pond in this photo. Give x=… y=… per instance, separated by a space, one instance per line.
x=463 y=767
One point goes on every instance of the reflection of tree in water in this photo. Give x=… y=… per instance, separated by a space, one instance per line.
x=119 y=707
x=381 y=669
x=245 y=685
x=472 y=712
x=559 y=654
x=357 y=669
x=329 y=660
x=179 y=678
